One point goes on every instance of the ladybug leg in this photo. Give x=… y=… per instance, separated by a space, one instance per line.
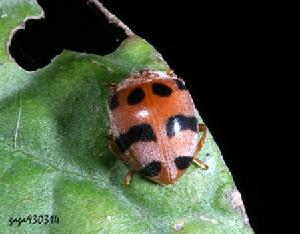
x=110 y=141
x=202 y=128
x=200 y=163
x=128 y=177
x=170 y=72
x=112 y=86
x=112 y=145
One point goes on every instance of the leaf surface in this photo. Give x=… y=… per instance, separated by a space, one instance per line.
x=55 y=158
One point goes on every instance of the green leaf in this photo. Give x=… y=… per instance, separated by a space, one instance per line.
x=55 y=158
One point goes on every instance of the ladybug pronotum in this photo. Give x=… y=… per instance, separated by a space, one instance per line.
x=153 y=126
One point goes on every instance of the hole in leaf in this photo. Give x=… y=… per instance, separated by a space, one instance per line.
x=77 y=26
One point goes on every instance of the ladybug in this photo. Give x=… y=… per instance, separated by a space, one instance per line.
x=153 y=126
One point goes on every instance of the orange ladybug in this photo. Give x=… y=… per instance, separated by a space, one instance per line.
x=153 y=126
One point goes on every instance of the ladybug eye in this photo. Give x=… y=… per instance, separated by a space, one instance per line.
x=136 y=96
x=161 y=90
x=180 y=84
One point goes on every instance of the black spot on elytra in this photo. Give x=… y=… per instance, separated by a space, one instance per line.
x=180 y=84
x=151 y=169
x=136 y=96
x=179 y=123
x=183 y=162
x=142 y=132
x=114 y=102
x=161 y=90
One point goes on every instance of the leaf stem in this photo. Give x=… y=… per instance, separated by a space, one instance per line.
x=111 y=17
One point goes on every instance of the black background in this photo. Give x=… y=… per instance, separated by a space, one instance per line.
x=224 y=52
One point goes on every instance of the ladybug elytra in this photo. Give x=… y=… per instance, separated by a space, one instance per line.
x=153 y=126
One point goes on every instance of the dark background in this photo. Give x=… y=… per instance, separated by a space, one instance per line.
x=224 y=52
